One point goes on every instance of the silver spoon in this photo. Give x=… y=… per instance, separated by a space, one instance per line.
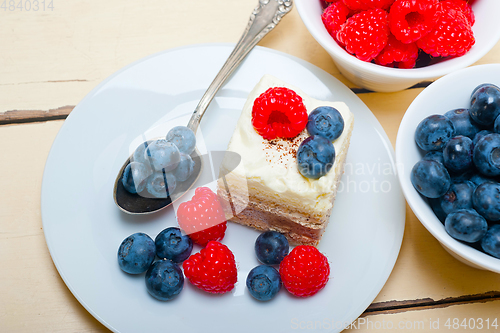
x=263 y=19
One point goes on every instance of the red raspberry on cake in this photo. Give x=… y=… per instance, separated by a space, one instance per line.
x=279 y=113
x=360 y=5
x=213 y=269
x=365 y=34
x=202 y=218
x=304 y=271
x=398 y=54
x=452 y=35
x=410 y=20
x=334 y=16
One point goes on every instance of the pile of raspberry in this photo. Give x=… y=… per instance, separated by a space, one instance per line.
x=392 y=33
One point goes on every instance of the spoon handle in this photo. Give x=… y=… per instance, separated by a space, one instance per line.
x=263 y=19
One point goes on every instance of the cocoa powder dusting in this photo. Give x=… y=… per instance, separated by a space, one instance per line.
x=284 y=147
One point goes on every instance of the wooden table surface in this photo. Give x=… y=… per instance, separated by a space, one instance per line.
x=50 y=59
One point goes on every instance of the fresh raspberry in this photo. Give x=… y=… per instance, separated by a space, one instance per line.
x=365 y=34
x=304 y=271
x=407 y=64
x=360 y=5
x=452 y=35
x=461 y=5
x=279 y=112
x=213 y=269
x=334 y=16
x=410 y=20
x=202 y=218
x=398 y=54
x=326 y=3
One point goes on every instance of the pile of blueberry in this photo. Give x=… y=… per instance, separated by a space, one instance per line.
x=316 y=154
x=164 y=278
x=264 y=281
x=460 y=172
x=157 y=166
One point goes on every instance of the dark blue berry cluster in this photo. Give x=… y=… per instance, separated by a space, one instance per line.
x=316 y=154
x=264 y=281
x=156 y=167
x=460 y=171
x=164 y=278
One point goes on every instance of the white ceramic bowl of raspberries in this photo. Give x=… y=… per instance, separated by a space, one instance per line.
x=453 y=191
x=438 y=34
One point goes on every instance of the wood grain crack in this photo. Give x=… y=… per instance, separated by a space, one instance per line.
x=390 y=307
x=49 y=81
x=33 y=116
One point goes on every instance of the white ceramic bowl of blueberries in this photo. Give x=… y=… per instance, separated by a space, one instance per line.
x=452 y=184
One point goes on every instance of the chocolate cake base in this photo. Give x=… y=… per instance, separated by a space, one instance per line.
x=298 y=228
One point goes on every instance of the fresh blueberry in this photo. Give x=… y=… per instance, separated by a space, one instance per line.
x=430 y=178
x=435 y=204
x=487 y=155
x=434 y=132
x=172 y=244
x=466 y=225
x=485 y=105
x=496 y=125
x=478 y=179
x=480 y=135
x=459 y=196
x=491 y=241
x=128 y=179
x=464 y=176
x=139 y=155
x=164 y=155
x=457 y=154
x=271 y=247
x=263 y=282
x=161 y=184
x=183 y=137
x=486 y=200
x=164 y=280
x=135 y=177
x=184 y=169
x=434 y=156
x=462 y=122
x=325 y=121
x=136 y=253
x=315 y=156
x=481 y=86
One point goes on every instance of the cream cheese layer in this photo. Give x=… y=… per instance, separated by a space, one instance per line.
x=271 y=165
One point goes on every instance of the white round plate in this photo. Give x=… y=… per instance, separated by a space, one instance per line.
x=84 y=228
x=450 y=92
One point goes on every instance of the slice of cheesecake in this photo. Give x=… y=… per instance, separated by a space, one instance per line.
x=265 y=190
